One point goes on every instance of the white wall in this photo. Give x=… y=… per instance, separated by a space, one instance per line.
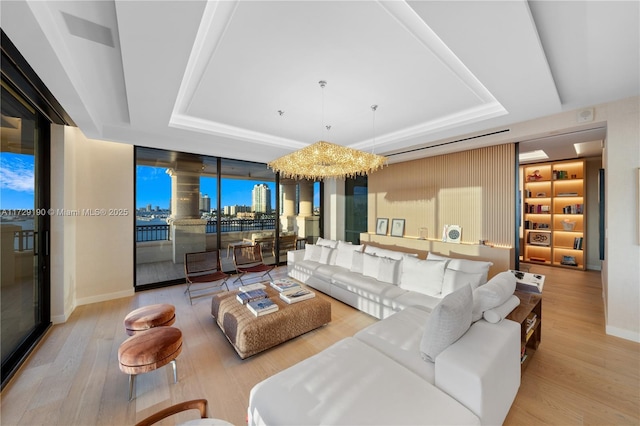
x=92 y=241
x=621 y=274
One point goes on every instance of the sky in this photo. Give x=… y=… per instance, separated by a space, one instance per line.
x=16 y=181
x=153 y=186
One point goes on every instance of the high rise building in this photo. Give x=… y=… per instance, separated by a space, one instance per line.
x=261 y=198
x=205 y=203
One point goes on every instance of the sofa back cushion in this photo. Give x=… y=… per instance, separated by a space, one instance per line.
x=370 y=265
x=357 y=262
x=465 y=265
x=453 y=280
x=493 y=294
x=448 y=321
x=388 y=270
x=327 y=255
x=344 y=255
x=423 y=276
x=328 y=243
x=312 y=252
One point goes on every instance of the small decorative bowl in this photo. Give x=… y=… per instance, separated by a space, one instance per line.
x=568 y=226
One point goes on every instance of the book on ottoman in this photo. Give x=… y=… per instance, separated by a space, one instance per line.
x=262 y=307
x=249 y=287
x=285 y=284
x=250 y=296
x=296 y=295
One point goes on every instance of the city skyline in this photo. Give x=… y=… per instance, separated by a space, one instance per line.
x=153 y=186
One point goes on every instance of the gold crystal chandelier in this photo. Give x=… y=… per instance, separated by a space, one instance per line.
x=325 y=160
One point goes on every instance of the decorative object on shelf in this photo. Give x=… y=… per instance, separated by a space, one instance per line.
x=323 y=160
x=569 y=261
x=539 y=238
x=541 y=194
x=535 y=176
x=423 y=233
x=568 y=225
x=381 y=226
x=454 y=232
x=397 y=227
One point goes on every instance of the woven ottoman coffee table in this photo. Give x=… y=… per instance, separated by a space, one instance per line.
x=249 y=334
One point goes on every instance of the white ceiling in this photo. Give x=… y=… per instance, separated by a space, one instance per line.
x=210 y=77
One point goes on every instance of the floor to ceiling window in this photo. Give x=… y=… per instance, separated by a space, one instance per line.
x=24 y=202
x=189 y=203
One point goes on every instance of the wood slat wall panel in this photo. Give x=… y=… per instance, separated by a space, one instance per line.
x=474 y=189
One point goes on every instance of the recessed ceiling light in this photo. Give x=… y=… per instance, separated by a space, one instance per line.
x=538 y=154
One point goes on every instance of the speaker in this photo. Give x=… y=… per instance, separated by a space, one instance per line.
x=585 y=115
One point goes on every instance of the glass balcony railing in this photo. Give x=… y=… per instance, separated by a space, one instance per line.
x=163 y=232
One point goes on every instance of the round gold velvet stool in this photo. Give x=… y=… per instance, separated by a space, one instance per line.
x=148 y=317
x=148 y=350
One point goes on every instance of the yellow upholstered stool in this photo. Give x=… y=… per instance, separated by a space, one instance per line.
x=148 y=317
x=147 y=350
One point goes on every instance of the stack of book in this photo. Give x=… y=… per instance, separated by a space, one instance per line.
x=528 y=282
x=577 y=243
x=262 y=307
x=296 y=295
x=245 y=297
x=285 y=284
x=530 y=322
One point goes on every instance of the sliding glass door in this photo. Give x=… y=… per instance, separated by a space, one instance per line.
x=24 y=301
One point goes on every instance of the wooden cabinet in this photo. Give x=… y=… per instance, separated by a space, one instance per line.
x=529 y=315
x=554 y=215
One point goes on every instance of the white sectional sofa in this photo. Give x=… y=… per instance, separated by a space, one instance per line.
x=448 y=358
x=378 y=281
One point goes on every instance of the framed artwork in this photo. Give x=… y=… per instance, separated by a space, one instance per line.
x=397 y=227
x=540 y=238
x=454 y=232
x=381 y=226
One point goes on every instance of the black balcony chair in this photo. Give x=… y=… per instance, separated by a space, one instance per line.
x=203 y=267
x=248 y=260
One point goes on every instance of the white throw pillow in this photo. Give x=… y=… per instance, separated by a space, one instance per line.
x=423 y=276
x=493 y=294
x=327 y=243
x=465 y=265
x=325 y=255
x=312 y=252
x=499 y=313
x=388 y=270
x=344 y=257
x=357 y=262
x=448 y=321
x=453 y=280
x=370 y=265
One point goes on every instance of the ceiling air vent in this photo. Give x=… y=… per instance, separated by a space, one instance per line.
x=497 y=132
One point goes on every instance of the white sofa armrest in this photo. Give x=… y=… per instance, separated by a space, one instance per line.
x=294 y=256
x=482 y=369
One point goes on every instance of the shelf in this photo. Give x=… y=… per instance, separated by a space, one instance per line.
x=561 y=189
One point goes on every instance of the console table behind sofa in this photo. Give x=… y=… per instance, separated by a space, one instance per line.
x=502 y=257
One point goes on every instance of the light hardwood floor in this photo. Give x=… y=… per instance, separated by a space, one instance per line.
x=579 y=375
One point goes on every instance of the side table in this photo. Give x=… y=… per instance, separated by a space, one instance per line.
x=529 y=315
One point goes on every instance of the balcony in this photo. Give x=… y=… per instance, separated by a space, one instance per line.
x=154 y=248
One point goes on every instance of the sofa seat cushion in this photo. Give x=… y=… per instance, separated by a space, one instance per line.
x=307 y=266
x=398 y=336
x=413 y=298
x=350 y=383
x=326 y=272
x=367 y=287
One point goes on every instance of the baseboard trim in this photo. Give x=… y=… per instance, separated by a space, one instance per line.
x=634 y=336
x=105 y=297
x=61 y=319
